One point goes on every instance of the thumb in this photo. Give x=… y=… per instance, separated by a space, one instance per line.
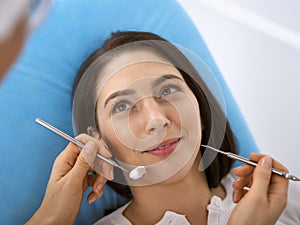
x=85 y=160
x=262 y=176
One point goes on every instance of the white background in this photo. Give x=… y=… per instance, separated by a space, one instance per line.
x=256 y=45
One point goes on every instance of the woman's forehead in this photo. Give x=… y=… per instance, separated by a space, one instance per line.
x=126 y=58
x=137 y=75
x=139 y=71
x=123 y=59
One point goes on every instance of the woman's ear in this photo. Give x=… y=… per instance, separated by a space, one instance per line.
x=93 y=132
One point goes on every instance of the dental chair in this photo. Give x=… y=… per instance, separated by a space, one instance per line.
x=40 y=85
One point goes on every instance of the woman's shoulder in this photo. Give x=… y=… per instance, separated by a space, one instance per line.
x=116 y=217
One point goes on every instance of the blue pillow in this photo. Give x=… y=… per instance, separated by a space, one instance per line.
x=40 y=85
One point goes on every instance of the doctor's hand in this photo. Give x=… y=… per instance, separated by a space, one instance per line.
x=70 y=178
x=267 y=197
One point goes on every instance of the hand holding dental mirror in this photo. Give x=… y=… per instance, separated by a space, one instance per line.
x=134 y=174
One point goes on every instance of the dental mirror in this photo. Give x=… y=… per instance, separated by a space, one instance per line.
x=134 y=174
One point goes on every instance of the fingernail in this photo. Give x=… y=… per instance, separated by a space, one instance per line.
x=235 y=196
x=89 y=147
x=99 y=187
x=235 y=182
x=266 y=162
x=92 y=200
x=111 y=174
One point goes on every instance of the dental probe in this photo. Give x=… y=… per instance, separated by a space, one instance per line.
x=134 y=174
x=247 y=161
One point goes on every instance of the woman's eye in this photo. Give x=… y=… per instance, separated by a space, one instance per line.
x=121 y=107
x=169 y=90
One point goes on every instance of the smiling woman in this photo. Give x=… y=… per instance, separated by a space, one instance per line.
x=150 y=107
x=145 y=122
x=47 y=68
x=147 y=102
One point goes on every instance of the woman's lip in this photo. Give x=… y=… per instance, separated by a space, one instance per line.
x=165 y=148
x=162 y=144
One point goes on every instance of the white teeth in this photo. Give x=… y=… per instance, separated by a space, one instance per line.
x=163 y=147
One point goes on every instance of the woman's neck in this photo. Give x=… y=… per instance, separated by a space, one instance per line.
x=189 y=196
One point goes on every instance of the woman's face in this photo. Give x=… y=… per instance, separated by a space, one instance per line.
x=147 y=114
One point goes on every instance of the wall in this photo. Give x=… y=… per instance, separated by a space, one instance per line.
x=256 y=45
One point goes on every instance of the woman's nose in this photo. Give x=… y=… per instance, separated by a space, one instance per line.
x=156 y=124
x=156 y=115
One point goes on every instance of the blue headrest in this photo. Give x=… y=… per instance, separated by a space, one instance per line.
x=40 y=85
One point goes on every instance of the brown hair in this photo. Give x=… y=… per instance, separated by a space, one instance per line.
x=212 y=134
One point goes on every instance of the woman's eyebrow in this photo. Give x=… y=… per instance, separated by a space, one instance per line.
x=132 y=91
x=164 y=78
x=119 y=93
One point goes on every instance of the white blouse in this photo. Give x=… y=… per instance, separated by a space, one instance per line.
x=218 y=210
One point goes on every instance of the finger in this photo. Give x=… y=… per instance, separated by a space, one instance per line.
x=242 y=182
x=98 y=184
x=256 y=156
x=100 y=166
x=102 y=149
x=72 y=151
x=243 y=171
x=262 y=177
x=67 y=158
x=237 y=195
x=275 y=164
x=86 y=157
x=246 y=169
x=104 y=169
x=65 y=161
x=92 y=197
x=277 y=189
x=278 y=184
